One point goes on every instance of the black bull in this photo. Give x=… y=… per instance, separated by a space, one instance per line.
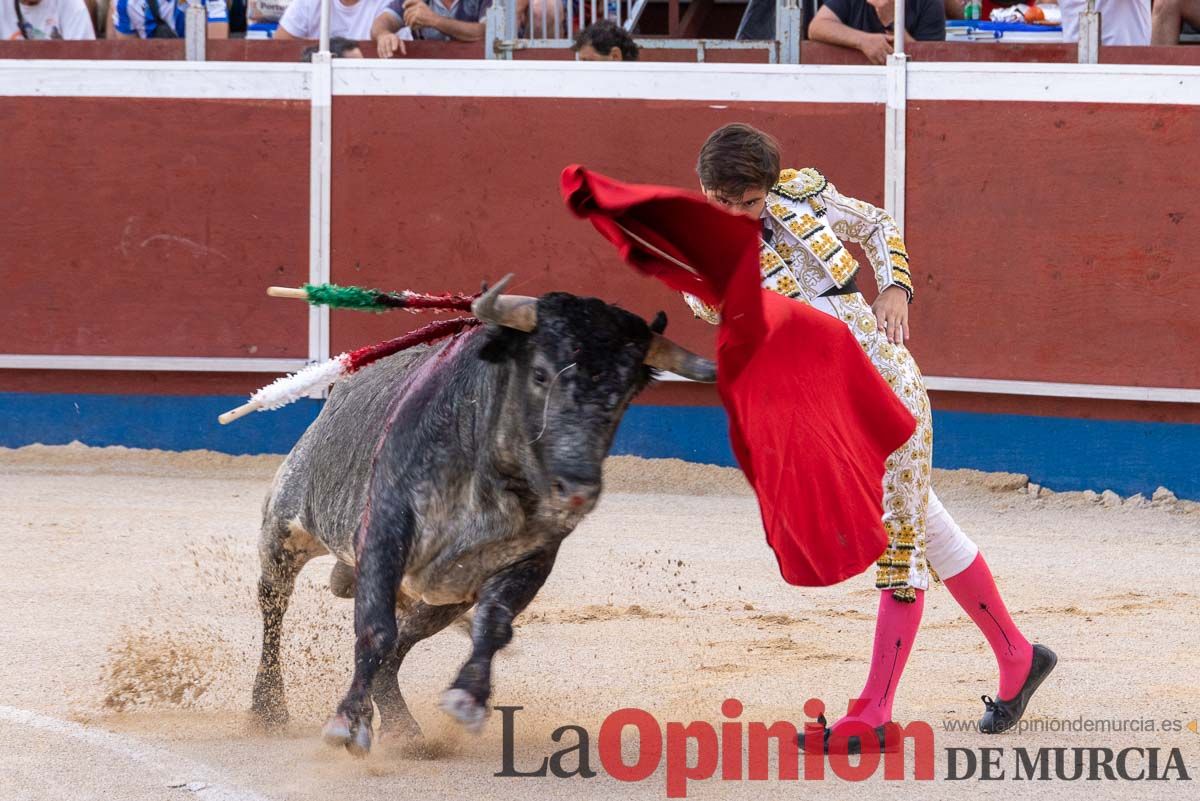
x=447 y=476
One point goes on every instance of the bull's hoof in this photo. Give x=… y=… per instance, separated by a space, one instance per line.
x=360 y=744
x=337 y=730
x=267 y=703
x=270 y=719
x=463 y=707
x=353 y=735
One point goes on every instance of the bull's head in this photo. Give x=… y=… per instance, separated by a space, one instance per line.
x=578 y=363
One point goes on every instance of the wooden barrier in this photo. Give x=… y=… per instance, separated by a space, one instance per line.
x=1050 y=241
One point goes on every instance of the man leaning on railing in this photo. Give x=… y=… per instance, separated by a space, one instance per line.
x=866 y=25
x=461 y=21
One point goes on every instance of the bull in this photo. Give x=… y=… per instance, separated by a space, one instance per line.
x=445 y=477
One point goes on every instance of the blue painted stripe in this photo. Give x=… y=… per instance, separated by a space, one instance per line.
x=1061 y=453
x=172 y=423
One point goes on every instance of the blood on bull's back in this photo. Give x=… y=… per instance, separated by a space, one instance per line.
x=324 y=482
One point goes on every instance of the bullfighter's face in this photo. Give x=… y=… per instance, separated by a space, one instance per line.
x=748 y=203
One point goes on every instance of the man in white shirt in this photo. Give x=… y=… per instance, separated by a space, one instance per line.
x=45 y=19
x=1122 y=22
x=347 y=18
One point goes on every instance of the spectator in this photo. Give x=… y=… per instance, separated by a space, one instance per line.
x=1168 y=19
x=348 y=18
x=164 y=19
x=605 y=40
x=45 y=19
x=339 y=47
x=866 y=25
x=1123 y=22
x=461 y=21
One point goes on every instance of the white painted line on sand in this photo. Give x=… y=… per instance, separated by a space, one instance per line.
x=179 y=772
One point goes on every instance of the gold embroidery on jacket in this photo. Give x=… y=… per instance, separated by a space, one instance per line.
x=799 y=184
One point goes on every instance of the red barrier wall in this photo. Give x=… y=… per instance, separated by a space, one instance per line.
x=150 y=227
x=1085 y=278
x=444 y=192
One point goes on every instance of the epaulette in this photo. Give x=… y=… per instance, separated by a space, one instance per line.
x=799 y=184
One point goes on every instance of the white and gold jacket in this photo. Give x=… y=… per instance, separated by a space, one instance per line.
x=803 y=259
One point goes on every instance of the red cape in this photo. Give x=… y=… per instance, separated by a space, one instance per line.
x=811 y=420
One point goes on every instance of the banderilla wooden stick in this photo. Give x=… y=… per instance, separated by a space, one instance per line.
x=239 y=412
x=287 y=292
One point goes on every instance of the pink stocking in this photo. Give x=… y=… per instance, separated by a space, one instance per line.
x=975 y=590
x=896 y=627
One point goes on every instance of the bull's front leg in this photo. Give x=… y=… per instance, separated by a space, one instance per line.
x=500 y=600
x=382 y=551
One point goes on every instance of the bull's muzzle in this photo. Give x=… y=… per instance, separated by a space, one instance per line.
x=520 y=312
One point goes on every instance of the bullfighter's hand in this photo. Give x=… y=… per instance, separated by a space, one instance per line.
x=891 y=312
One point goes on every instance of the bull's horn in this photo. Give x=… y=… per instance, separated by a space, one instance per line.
x=666 y=355
x=512 y=311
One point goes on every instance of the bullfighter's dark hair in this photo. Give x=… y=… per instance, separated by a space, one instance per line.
x=603 y=35
x=737 y=157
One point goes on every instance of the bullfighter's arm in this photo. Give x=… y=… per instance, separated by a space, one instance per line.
x=876 y=231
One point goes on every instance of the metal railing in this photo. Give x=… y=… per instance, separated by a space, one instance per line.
x=552 y=24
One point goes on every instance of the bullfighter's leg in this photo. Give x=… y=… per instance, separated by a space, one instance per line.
x=500 y=600
x=382 y=553
x=414 y=624
x=284 y=548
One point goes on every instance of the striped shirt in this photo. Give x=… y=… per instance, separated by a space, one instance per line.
x=134 y=16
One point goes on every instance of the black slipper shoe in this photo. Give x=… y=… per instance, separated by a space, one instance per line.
x=1001 y=715
x=852 y=744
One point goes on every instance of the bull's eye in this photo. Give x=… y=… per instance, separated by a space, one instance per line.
x=540 y=375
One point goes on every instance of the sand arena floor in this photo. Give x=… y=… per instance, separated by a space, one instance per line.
x=130 y=636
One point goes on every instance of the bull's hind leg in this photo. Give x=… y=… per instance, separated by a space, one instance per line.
x=382 y=553
x=415 y=624
x=501 y=599
x=284 y=548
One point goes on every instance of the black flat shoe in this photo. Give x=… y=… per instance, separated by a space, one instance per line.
x=853 y=742
x=1001 y=715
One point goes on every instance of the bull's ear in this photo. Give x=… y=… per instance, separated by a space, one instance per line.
x=501 y=345
x=659 y=324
